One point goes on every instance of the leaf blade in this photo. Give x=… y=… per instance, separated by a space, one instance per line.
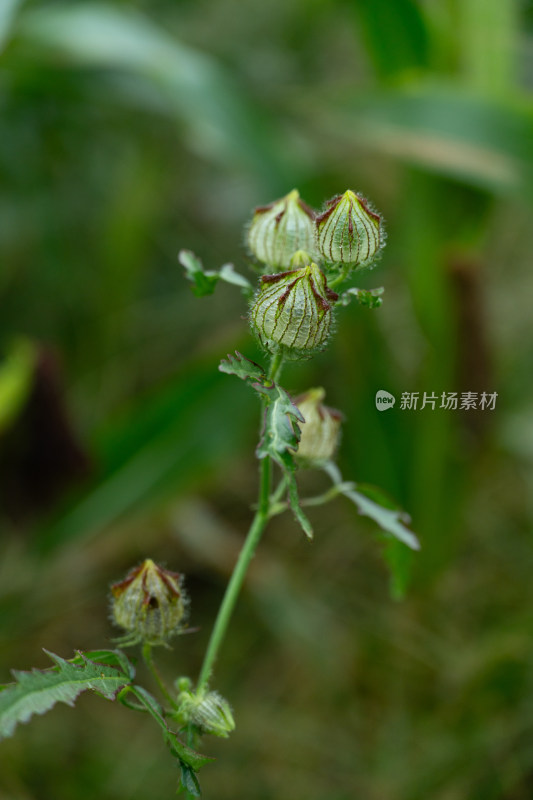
x=37 y=691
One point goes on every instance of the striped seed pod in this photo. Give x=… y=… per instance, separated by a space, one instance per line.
x=320 y=431
x=278 y=230
x=292 y=312
x=150 y=604
x=348 y=232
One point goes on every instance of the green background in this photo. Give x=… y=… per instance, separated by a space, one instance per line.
x=131 y=129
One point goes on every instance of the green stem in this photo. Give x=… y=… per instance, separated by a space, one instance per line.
x=340 y=278
x=234 y=586
x=236 y=581
x=149 y=661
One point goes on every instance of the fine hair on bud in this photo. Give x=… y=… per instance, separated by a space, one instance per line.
x=292 y=312
x=150 y=604
x=349 y=231
x=280 y=229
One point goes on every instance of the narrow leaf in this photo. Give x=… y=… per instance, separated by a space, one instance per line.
x=178 y=749
x=294 y=502
x=377 y=507
x=387 y=519
x=189 y=781
x=38 y=691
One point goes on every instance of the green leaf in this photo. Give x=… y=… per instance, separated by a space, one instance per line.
x=38 y=691
x=396 y=35
x=487 y=143
x=189 y=781
x=387 y=519
x=294 y=502
x=280 y=432
x=204 y=281
x=8 y=9
x=218 y=118
x=373 y=503
x=16 y=380
x=242 y=367
x=115 y=658
x=370 y=298
x=178 y=749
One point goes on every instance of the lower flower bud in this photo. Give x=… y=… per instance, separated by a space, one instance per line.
x=292 y=311
x=320 y=431
x=150 y=604
x=208 y=711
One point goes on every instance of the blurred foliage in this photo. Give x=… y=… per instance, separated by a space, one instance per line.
x=132 y=129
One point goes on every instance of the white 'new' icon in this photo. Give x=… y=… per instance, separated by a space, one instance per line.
x=384 y=400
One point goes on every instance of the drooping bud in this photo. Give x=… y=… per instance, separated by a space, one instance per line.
x=278 y=230
x=320 y=431
x=292 y=312
x=208 y=711
x=150 y=604
x=348 y=231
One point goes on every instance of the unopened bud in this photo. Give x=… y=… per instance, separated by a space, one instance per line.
x=208 y=711
x=348 y=231
x=150 y=604
x=320 y=431
x=292 y=312
x=278 y=230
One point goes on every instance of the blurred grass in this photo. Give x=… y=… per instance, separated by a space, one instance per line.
x=132 y=129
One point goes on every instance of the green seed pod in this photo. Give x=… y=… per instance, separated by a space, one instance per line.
x=348 y=232
x=320 y=431
x=150 y=604
x=209 y=711
x=292 y=312
x=278 y=230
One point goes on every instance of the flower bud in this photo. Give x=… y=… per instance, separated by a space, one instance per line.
x=320 y=431
x=150 y=604
x=209 y=711
x=278 y=230
x=292 y=311
x=348 y=232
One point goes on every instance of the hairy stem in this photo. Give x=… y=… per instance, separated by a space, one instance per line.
x=236 y=581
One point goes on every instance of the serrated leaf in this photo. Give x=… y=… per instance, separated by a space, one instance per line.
x=370 y=298
x=204 y=281
x=242 y=367
x=115 y=658
x=280 y=432
x=38 y=691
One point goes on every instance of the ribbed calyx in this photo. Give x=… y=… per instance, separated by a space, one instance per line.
x=207 y=710
x=320 y=431
x=281 y=228
x=150 y=604
x=348 y=231
x=293 y=311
